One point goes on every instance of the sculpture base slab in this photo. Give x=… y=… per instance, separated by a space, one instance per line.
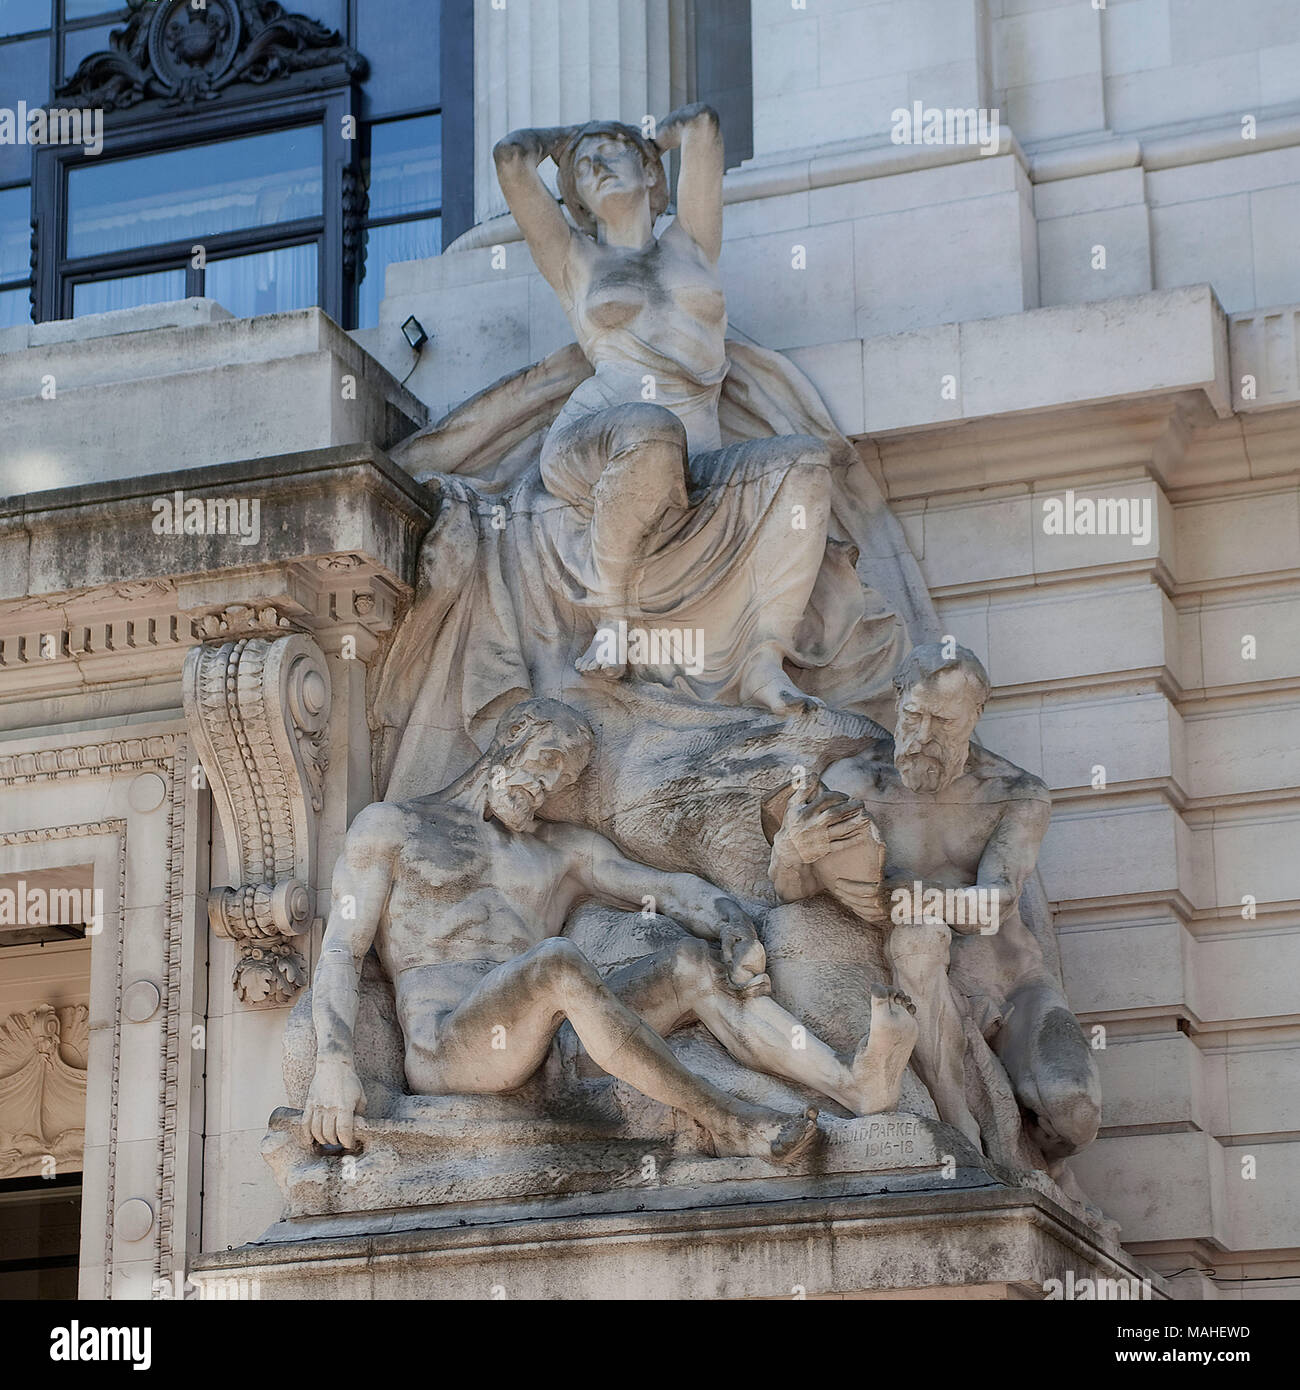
x=837 y=1236
x=423 y=1162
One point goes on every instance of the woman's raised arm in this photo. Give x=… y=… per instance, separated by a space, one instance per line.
x=544 y=226
x=696 y=130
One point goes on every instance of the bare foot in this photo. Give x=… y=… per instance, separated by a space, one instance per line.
x=881 y=1057
x=595 y=661
x=781 y=696
x=768 y=1135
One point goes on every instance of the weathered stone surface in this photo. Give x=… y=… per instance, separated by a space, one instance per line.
x=859 y=1238
x=287 y=382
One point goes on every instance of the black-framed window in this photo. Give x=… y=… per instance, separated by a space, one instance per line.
x=724 y=75
x=403 y=164
x=15 y=254
x=239 y=219
x=416 y=51
x=243 y=204
x=40 y=1237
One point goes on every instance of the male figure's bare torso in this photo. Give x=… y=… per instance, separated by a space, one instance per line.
x=466 y=895
x=942 y=839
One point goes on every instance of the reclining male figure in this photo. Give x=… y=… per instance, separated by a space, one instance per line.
x=465 y=893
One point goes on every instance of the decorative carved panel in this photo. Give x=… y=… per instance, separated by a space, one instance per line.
x=185 y=54
x=43 y=1090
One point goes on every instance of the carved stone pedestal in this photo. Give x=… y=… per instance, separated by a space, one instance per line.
x=901 y=1235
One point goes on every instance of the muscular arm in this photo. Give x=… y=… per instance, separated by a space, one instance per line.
x=704 y=910
x=696 y=131
x=1012 y=850
x=612 y=878
x=362 y=878
x=543 y=224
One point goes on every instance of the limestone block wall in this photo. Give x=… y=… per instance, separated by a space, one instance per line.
x=1148 y=144
x=78 y=408
x=1154 y=687
x=836 y=71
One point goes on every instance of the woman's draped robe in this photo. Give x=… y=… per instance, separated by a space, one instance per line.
x=504 y=600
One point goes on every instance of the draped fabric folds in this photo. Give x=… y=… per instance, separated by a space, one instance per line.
x=503 y=602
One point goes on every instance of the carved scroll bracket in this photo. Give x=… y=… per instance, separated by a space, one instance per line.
x=258 y=708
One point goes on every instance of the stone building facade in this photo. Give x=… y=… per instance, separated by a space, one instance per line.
x=1100 y=304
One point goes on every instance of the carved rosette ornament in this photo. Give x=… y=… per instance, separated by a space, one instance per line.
x=258 y=708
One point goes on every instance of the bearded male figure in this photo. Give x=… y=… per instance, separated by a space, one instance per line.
x=464 y=894
x=952 y=816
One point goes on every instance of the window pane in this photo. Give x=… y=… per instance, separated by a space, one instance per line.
x=22 y=16
x=24 y=76
x=405 y=166
x=127 y=291
x=267 y=282
x=15 y=307
x=15 y=233
x=195 y=192
x=724 y=73
x=400 y=40
x=81 y=43
x=330 y=13
x=40 y=1235
x=403 y=241
x=84 y=9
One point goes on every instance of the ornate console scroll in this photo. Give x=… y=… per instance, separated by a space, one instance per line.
x=258 y=707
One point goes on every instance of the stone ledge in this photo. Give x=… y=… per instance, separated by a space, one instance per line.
x=349 y=498
x=935 y=1241
x=1161 y=344
x=76 y=409
x=176 y=313
x=89 y=594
